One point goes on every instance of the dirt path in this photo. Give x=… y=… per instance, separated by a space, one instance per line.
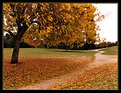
x=71 y=77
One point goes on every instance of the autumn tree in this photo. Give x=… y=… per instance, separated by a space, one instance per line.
x=72 y=23
x=22 y=18
x=50 y=22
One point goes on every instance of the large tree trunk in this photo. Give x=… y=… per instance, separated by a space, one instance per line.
x=15 y=54
x=21 y=31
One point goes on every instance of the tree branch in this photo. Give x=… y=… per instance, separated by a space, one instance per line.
x=11 y=34
x=12 y=7
x=22 y=30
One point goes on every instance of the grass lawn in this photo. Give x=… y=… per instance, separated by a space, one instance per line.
x=43 y=52
x=36 y=64
x=110 y=50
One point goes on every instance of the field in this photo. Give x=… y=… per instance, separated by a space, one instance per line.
x=43 y=52
x=111 y=50
x=39 y=64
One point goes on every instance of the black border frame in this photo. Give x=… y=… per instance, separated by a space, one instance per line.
x=66 y=1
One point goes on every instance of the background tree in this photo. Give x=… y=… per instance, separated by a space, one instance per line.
x=9 y=42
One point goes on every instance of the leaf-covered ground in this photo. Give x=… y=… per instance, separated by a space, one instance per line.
x=38 y=65
x=32 y=70
x=104 y=77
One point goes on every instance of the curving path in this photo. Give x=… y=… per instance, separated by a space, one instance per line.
x=71 y=77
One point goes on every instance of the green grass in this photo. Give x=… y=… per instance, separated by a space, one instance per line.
x=110 y=50
x=43 y=52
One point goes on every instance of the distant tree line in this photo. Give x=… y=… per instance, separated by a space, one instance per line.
x=106 y=44
x=9 y=43
x=86 y=46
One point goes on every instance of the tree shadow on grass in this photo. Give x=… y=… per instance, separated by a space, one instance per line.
x=73 y=51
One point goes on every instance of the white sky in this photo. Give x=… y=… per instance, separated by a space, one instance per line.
x=109 y=25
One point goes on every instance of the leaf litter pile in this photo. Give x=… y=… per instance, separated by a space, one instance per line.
x=32 y=70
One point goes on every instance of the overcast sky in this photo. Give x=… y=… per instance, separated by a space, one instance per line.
x=109 y=26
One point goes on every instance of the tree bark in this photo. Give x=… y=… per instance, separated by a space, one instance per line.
x=15 y=54
x=21 y=31
x=67 y=47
